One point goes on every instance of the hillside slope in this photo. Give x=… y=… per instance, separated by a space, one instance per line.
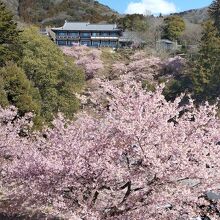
x=54 y=12
x=196 y=16
x=12 y=5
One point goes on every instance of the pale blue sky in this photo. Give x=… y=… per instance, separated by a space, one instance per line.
x=154 y=6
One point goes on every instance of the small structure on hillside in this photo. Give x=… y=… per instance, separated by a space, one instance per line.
x=44 y=32
x=167 y=45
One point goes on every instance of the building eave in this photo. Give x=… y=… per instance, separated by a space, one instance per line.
x=105 y=30
x=83 y=26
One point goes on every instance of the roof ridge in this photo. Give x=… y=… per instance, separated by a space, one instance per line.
x=87 y=26
x=86 y=23
x=78 y=22
x=101 y=24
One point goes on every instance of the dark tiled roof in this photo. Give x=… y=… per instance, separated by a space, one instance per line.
x=83 y=26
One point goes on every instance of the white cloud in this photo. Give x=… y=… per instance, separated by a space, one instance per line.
x=154 y=6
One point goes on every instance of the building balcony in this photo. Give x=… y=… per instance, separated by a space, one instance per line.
x=86 y=37
x=104 y=38
x=67 y=37
x=73 y=37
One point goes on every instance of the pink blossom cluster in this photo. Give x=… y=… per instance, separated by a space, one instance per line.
x=145 y=158
x=139 y=55
x=119 y=68
x=143 y=67
x=89 y=59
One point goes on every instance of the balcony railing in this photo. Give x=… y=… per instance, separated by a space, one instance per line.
x=72 y=37
x=104 y=38
x=87 y=37
x=67 y=37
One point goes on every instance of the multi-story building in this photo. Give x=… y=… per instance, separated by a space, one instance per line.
x=96 y=35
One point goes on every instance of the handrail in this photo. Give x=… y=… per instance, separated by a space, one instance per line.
x=89 y=37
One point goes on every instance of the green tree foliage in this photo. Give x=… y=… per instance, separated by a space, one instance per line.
x=173 y=27
x=202 y=76
x=68 y=84
x=214 y=11
x=133 y=22
x=55 y=76
x=9 y=36
x=18 y=90
x=35 y=76
x=3 y=96
x=177 y=86
x=206 y=74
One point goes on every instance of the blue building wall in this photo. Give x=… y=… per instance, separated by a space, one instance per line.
x=92 y=38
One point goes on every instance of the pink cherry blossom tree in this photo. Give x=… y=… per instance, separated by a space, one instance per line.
x=144 y=67
x=142 y=158
x=89 y=59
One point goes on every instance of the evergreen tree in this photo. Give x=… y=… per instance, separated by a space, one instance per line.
x=3 y=96
x=9 y=36
x=35 y=76
x=56 y=77
x=18 y=90
x=214 y=11
x=203 y=75
x=173 y=27
x=134 y=22
x=206 y=74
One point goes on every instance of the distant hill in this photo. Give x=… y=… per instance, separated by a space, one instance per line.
x=195 y=16
x=54 y=12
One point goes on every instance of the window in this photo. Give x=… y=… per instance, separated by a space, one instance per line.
x=104 y=34
x=85 y=35
x=96 y=43
x=113 y=43
x=62 y=34
x=61 y=42
x=73 y=34
x=113 y=34
x=72 y=43
x=86 y=42
x=105 y=43
x=95 y=34
x=69 y=43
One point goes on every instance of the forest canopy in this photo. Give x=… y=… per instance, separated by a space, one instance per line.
x=35 y=76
